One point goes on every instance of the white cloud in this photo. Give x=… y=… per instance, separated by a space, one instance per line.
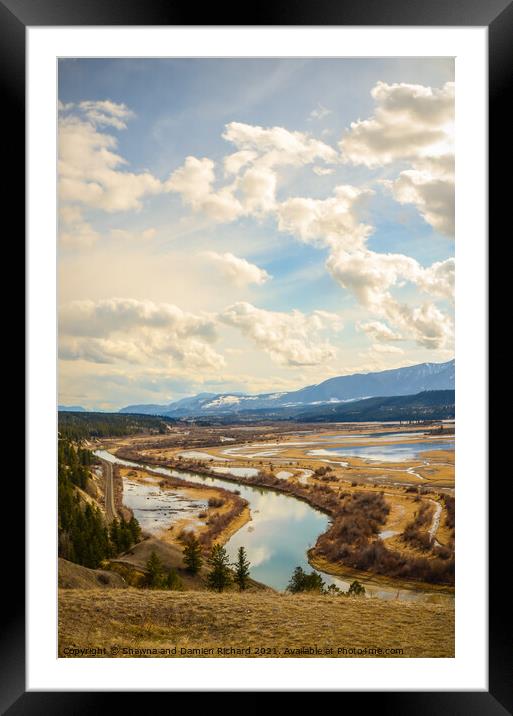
x=233 y=163
x=101 y=112
x=378 y=331
x=425 y=324
x=128 y=331
x=74 y=231
x=65 y=106
x=194 y=182
x=432 y=194
x=331 y=221
x=438 y=279
x=238 y=270
x=258 y=186
x=122 y=329
x=409 y=121
x=105 y=112
x=370 y=276
x=386 y=348
x=322 y=171
x=293 y=339
x=90 y=172
x=111 y=315
x=319 y=112
x=259 y=150
x=278 y=146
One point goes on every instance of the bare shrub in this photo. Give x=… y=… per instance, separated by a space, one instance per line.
x=215 y=502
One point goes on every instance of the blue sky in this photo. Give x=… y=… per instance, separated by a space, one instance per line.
x=179 y=275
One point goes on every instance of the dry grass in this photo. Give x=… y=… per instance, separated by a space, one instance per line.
x=198 y=620
x=74 y=576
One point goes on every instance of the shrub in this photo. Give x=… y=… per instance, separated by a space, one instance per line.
x=303 y=582
x=215 y=502
x=356 y=589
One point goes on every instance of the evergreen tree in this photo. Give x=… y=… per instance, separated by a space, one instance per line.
x=135 y=530
x=156 y=576
x=114 y=535
x=303 y=582
x=356 y=589
x=192 y=555
x=315 y=583
x=297 y=581
x=83 y=535
x=219 y=576
x=242 y=569
x=333 y=589
x=173 y=581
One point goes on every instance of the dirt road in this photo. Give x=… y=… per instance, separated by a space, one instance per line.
x=110 y=507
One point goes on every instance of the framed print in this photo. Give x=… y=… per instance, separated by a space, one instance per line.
x=257 y=353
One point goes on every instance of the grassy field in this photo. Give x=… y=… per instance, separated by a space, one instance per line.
x=198 y=624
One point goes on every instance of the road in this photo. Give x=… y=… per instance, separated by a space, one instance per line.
x=108 y=475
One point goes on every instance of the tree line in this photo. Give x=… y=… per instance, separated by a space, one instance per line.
x=221 y=575
x=313 y=582
x=82 y=426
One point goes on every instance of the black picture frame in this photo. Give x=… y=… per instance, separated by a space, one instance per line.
x=497 y=16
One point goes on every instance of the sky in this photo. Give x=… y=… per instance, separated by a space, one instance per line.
x=251 y=225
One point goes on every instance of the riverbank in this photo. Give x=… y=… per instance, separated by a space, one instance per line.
x=377 y=581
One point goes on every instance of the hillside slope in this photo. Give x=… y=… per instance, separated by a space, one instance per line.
x=143 y=619
x=428 y=405
x=74 y=576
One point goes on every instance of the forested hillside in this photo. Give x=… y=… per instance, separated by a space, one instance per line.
x=84 y=536
x=82 y=425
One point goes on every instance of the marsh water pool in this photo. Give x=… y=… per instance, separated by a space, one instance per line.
x=396 y=452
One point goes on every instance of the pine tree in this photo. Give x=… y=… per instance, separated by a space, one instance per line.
x=173 y=581
x=303 y=582
x=135 y=530
x=155 y=568
x=192 y=555
x=114 y=535
x=242 y=569
x=297 y=581
x=219 y=576
x=356 y=589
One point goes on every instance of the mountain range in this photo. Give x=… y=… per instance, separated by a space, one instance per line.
x=409 y=380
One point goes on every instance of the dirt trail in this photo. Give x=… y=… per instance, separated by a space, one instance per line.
x=108 y=476
x=436 y=518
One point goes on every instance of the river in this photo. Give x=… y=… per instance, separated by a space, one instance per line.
x=276 y=539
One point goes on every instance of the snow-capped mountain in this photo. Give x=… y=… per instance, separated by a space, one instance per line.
x=398 y=381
